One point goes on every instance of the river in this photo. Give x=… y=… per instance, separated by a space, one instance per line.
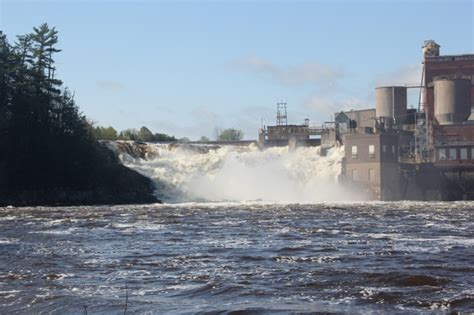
x=255 y=257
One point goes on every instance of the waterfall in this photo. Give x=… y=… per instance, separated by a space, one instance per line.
x=193 y=172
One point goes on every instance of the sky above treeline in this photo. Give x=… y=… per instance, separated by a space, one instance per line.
x=189 y=68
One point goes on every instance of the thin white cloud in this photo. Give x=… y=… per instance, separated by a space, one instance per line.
x=306 y=73
x=325 y=107
x=203 y=113
x=110 y=85
x=404 y=75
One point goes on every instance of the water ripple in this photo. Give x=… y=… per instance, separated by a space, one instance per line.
x=233 y=258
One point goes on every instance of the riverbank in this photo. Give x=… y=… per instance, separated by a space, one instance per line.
x=49 y=153
x=120 y=186
x=112 y=184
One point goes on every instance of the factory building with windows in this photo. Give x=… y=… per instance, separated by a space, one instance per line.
x=393 y=152
x=425 y=153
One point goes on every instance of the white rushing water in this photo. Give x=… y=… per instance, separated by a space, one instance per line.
x=188 y=173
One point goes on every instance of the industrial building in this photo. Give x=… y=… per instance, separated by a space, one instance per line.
x=393 y=152
x=284 y=134
x=427 y=153
x=361 y=120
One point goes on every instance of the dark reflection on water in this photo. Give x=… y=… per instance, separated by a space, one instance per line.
x=225 y=258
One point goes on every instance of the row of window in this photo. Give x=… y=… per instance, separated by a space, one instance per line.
x=371 y=150
x=452 y=154
x=370 y=175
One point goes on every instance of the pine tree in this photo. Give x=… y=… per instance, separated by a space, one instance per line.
x=4 y=82
x=5 y=85
x=45 y=141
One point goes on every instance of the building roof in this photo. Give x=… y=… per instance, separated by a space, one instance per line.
x=341 y=117
x=359 y=110
x=450 y=57
x=346 y=112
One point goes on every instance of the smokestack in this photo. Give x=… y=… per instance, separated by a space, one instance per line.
x=430 y=49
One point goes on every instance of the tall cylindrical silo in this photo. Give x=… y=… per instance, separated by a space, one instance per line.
x=391 y=103
x=452 y=99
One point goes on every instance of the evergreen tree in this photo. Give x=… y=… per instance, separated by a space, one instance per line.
x=24 y=50
x=46 y=144
x=41 y=127
x=4 y=82
x=5 y=94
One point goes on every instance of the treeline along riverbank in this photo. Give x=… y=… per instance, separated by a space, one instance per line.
x=48 y=152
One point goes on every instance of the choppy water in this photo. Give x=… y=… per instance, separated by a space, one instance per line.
x=211 y=258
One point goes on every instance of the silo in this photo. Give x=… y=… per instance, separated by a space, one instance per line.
x=391 y=103
x=452 y=99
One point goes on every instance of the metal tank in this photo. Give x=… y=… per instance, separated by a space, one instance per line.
x=391 y=103
x=452 y=99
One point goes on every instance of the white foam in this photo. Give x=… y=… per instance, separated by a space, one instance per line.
x=56 y=232
x=236 y=174
x=6 y=241
x=138 y=226
x=8 y=218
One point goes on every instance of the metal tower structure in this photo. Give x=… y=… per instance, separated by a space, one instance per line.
x=423 y=130
x=282 y=119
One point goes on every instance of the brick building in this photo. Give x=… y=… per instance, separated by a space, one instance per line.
x=436 y=65
x=371 y=160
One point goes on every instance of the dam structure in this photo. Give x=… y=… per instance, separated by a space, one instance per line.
x=384 y=152
x=291 y=135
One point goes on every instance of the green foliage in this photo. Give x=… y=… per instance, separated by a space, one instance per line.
x=46 y=142
x=230 y=134
x=204 y=139
x=163 y=137
x=144 y=134
x=105 y=133
x=129 y=134
x=48 y=151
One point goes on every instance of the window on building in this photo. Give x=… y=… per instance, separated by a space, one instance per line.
x=355 y=174
x=384 y=148
x=371 y=174
x=472 y=153
x=393 y=149
x=463 y=153
x=453 y=154
x=442 y=154
x=371 y=151
x=354 y=151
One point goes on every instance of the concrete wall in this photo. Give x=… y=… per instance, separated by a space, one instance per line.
x=363 y=117
x=284 y=132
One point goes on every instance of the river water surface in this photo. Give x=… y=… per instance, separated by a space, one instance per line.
x=223 y=257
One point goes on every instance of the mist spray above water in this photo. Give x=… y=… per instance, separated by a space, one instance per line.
x=188 y=173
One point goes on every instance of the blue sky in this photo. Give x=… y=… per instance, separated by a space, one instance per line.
x=188 y=68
